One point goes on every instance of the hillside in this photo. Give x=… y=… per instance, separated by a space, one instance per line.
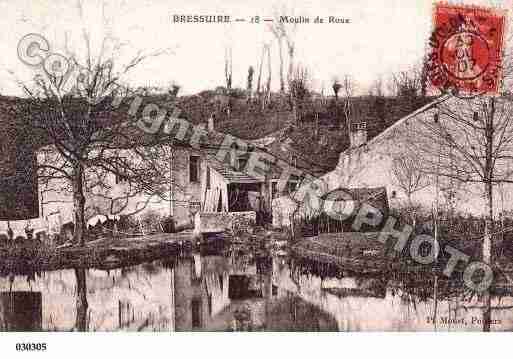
x=319 y=137
x=321 y=134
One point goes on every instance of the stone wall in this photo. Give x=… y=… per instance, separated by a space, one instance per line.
x=215 y=222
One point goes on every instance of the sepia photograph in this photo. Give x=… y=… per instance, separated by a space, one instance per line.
x=274 y=166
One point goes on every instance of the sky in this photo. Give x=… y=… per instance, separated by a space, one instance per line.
x=383 y=36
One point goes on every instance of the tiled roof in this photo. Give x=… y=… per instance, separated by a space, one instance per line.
x=229 y=174
x=13 y=111
x=376 y=196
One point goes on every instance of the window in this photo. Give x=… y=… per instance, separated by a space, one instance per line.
x=194 y=169
x=121 y=178
x=208 y=177
x=274 y=189
x=294 y=160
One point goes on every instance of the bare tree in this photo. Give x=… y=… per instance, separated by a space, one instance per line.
x=348 y=87
x=228 y=73
x=87 y=160
x=336 y=86
x=407 y=83
x=174 y=88
x=260 y=65
x=409 y=178
x=289 y=35
x=470 y=142
x=267 y=96
x=278 y=29
x=376 y=88
x=285 y=32
x=408 y=175
x=87 y=133
x=228 y=66
x=112 y=193
x=299 y=91
x=249 y=86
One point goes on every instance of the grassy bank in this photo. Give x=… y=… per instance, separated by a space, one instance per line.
x=101 y=254
x=363 y=254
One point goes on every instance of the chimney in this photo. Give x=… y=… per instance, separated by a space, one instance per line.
x=210 y=125
x=358 y=134
x=233 y=158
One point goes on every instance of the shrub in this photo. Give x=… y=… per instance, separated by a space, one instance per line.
x=242 y=225
x=150 y=222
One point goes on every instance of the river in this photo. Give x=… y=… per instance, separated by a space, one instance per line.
x=232 y=290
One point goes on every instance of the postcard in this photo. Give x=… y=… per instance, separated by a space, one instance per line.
x=279 y=166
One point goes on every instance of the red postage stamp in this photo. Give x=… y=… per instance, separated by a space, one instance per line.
x=466 y=49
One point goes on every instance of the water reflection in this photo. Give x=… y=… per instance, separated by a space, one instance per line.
x=20 y=311
x=81 y=295
x=200 y=290
x=236 y=290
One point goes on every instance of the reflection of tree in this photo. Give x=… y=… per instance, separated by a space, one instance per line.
x=470 y=142
x=81 y=322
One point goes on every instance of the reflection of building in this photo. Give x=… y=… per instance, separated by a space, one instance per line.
x=207 y=290
x=132 y=299
x=21 y=311
x=246 y=302
x=200 y=291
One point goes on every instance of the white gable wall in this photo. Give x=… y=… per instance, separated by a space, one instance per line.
x=371 y=166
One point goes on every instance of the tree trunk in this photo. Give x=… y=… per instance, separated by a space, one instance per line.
x=487 y=240
x=435 y=299
x=295 y=112
x=282 y=80
x=487 y=254
x=259 y=79
x=413 y=214
x=79 y=203
x=228 y=68
x=269 y=72
x=347 y=113
x=291 y=63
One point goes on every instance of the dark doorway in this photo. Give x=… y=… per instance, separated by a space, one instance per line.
x=241 y=195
